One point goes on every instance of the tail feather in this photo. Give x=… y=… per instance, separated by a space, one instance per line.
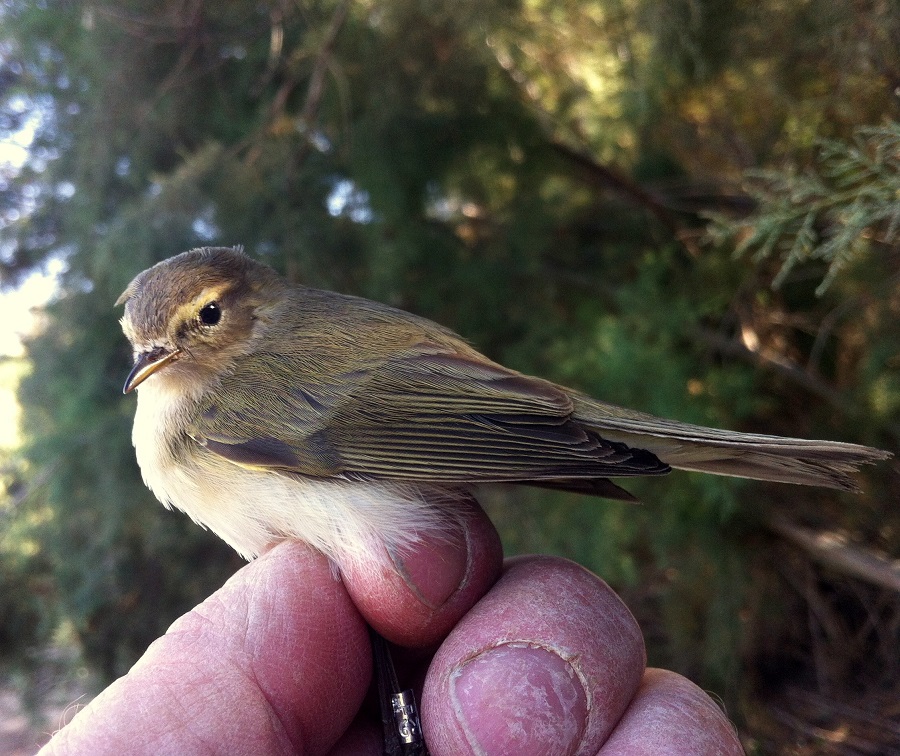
x=745 y=455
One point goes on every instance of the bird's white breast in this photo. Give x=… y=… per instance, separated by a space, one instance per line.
x=251 y=508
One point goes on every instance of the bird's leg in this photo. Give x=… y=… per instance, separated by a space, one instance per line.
x=399 y=712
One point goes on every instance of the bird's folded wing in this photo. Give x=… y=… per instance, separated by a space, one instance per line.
x=428 y=414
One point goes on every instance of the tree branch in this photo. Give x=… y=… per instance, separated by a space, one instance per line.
x=834 y=551
x=774 y=362
x=316 y=89
x=608 y=178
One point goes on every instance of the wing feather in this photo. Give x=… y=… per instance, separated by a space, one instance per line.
x=428 y=414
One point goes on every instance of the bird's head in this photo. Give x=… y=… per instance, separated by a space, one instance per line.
x=190 y=316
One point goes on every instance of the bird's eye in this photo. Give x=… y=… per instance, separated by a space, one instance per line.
x=210 y=314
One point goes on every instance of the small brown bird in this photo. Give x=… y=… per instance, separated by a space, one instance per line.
x=270 y=410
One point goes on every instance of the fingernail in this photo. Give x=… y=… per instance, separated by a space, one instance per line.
x=435 y=569
x=519 y=699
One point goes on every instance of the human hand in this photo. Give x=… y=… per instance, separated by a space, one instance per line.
x=278 y=661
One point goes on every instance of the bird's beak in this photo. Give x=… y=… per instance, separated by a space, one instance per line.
x=146 y=364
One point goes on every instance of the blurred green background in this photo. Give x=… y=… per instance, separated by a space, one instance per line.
x=688 y=207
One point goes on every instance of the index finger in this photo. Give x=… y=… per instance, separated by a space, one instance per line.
x=415 y=597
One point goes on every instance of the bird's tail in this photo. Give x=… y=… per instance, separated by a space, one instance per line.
x=745 y=455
